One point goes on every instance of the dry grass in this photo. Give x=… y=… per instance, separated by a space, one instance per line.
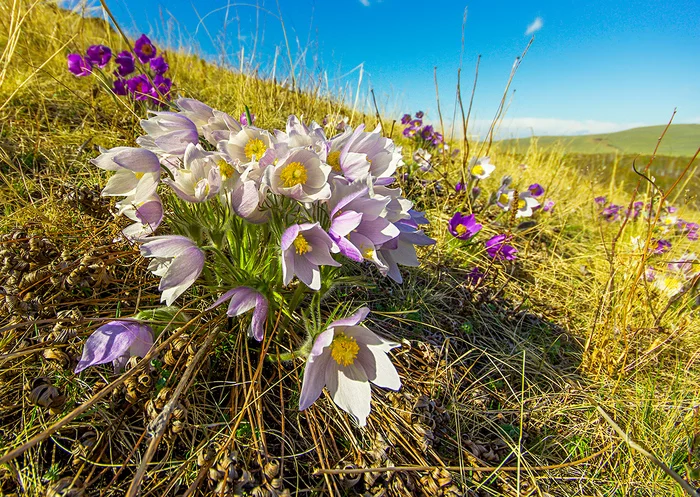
x=501 y=382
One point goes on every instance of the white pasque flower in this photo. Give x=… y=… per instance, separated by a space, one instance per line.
x=345 y=358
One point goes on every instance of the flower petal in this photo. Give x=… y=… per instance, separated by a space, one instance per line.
x=110 y=341
x=350 y=390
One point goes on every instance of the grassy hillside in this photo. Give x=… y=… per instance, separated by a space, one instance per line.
x=682 y=140
x=502 y=377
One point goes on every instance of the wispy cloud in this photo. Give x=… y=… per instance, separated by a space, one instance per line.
x=365 y=3
x=521 y=127
x=534 y=26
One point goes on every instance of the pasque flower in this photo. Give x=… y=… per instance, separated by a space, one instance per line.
x=134 y=168
x=302 y=176
x=78 y=65
x=305 y=247
x=140 y=87
x=241 y=300
x=345 y=358
x=158 y=65
x=145 y=50
x=177 y=260
x=200 y=178
x=498 y=248
x=168 y=132
x=481 y=168
x=464 y=226
x=125 y=63
x=115 y=342
x=98 y=55
x=535 y=190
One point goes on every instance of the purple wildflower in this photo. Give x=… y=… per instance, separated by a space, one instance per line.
x=459 y=186
x=159 y=66
x=662 y=246
x=244 y=119
x=98 y=55
x=416 y=123
x=305 y=247
x=410 y=132
x=119 y=87
x=475 y=276
x=548 y=206
x=476 y=191
x=611 y=212
x=497 y=248
x=602 y=200
x=78 y=65
x=427 y=133
x=464 y=227
x=438 y=139
x=536 y=190
x=125 y=63
x=161 y=88
x=115 y=342
x=145 y=50
x=242 y=299
x=406 y=119
x=140 y=87
x=420 y=114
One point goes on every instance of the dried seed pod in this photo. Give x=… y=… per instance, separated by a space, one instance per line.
x=271 y=469
x=348 y=480
x=277 y=483
x=44 y=394
x=58 y=356
x=65 y=487
x=206 y=454
x=260 y=491
x=145 y=383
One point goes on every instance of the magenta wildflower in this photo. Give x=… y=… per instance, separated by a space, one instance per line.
x=78 y=65
x=497 y=248
x=119 y=87
x=98 y=55
x=602 y=200
x=420 y=114
x=548 y=206
x=406 y=119
x=459 y=187
x=464 y=227
x=662 y=246
x=145 y=50
x=140 y=87
x=536 y=190
x=159 y=66
x=475 y=275
x=427 y=133
x=476 y=191
x=410 y=132
x=125 y=63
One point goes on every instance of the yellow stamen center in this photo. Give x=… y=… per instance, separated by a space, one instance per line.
x=293 y=174
x=478 y=170
x=368 y=253
x=147 y=49
x=255 y=148
x=460 y=229
x=139 y=175
x=504 y=199
x=344 y=349
x=226 y=169
x=334 y=161
x=301 y=245
x=521 y=204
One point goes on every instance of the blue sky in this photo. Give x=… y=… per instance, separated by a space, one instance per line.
x=595 y=66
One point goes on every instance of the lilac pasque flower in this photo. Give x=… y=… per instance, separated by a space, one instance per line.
x=134 y=169
x=200 y=178
x=244 y=119
x=243 y=299
x=168 y=132
x=115 y=342
x=158 y=65
x=345 y=358
x=305 y=247
x=98 y=55
x=177 y=260
x=78 y=65
x=145 y=50
x=125 y=63
x=464 y=227
x=548 y=206
x=406 y=118
x=497 y=248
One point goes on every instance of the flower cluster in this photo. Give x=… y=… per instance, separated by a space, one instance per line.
x=426 y=138
x=676 y=277
x=253 y=211
x=148 y=82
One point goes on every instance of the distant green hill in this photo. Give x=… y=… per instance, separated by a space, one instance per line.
x=681 y=140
